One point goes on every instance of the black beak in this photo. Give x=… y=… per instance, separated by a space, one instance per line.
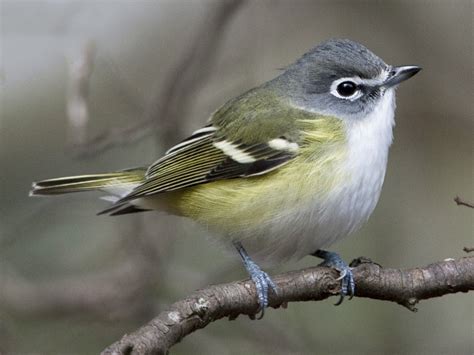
x=399 y=74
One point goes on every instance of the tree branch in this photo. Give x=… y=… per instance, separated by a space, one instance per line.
x=461 y=202
x=169 y=106
x=405 y=287
x=77 y=98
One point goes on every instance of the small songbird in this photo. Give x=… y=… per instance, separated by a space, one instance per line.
x=282 y=171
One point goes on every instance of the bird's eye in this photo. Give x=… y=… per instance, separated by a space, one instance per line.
x=347 y=88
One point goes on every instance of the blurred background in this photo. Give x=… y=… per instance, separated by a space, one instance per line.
x=92 y=86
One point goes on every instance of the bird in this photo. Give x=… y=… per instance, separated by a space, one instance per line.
x=280 y=172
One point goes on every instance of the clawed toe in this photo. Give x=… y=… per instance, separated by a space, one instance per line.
x=347 y=284
x=263 y=283
x=346 y=276
x=260 y=278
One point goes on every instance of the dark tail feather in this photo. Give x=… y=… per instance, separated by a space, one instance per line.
x=81 y=183
x=127 y=209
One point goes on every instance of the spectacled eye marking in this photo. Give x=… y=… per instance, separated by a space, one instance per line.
x=346 y=88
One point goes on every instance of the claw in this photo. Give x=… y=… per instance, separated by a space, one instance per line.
x=341 y=298
x=345 y=273
x=260 y=278
x=342 y=274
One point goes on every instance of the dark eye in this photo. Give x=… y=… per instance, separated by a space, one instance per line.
x=346 y=88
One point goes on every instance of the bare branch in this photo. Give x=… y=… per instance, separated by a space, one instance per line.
x=191 y=72
x=168 y=107
x=80 y=70
x=461 y=202
x=405 y=287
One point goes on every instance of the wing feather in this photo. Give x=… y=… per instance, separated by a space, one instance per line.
x=243 y=139
x=200 y=161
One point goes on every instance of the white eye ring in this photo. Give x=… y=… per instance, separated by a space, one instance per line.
x=354 y=96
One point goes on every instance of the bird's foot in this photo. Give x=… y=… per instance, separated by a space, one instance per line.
x=334 y=261
x=260 y=278
x=362 y=260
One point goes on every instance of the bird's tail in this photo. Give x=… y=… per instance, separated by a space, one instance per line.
x=117 y=183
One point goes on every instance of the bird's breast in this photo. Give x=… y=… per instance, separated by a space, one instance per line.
x=320 y=196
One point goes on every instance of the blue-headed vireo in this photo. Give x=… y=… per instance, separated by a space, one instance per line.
x=281 y=171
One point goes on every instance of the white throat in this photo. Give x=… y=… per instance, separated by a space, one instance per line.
x=368 y=141
x=370 y=137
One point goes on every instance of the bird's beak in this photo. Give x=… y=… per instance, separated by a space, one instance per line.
x=399 y=74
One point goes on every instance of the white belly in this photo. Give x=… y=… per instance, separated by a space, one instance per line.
x=321 y=222
x=286 y=220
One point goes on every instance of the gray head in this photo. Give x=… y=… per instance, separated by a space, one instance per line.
x=340 y=77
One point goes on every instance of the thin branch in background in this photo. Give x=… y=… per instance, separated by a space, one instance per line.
x=461 y=202
x=168 y=107
x=77 y=105
x=191 y=73
x=89 y=293
x=117 y=293
x=468 y=250
x=405 y=287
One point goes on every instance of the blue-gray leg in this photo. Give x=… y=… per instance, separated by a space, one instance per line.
x=260 y=278
x=333 y=260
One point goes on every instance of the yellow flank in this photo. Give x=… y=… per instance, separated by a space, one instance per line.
x=244 y=203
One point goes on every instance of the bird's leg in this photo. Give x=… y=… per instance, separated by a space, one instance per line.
x=259 y=277
x=334 y=261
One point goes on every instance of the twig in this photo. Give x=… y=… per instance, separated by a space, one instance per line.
x=459 y=202
x=168 y=107
x=80 y=71
x=405 y=287
x=468 y=250
x=192 y=72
